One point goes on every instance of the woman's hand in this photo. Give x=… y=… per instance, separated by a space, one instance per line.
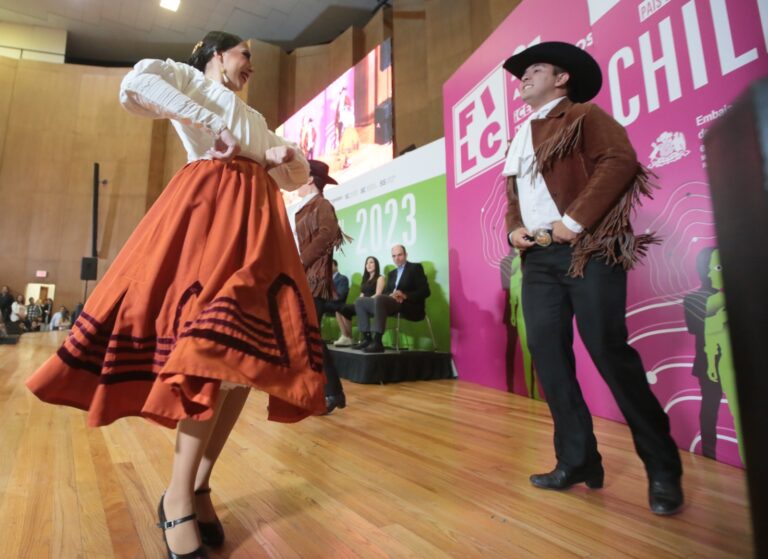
x=225 y=148
x=278 y=155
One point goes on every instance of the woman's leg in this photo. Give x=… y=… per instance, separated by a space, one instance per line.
x=344 y=324
x=234 y=400
x=191 y=440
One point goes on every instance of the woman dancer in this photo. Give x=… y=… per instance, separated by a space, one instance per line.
x=208 y=297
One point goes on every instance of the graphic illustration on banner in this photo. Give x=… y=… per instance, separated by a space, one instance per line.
x=670 y=69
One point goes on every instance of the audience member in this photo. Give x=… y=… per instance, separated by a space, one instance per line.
x=60 y=319
x=47 y=310
x=34 y=312
x=372 y=284
x=18 y=319
x=76 y=312
x=331 y=307
x=405 y=293
x=340 y=288
x=6 y=301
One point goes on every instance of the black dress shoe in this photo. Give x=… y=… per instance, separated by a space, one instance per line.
x=335 y=401
x=361 y=344
x=374 y=347
x=164 y=524
x=212 y=533
x=560 y=479
x=665 y=497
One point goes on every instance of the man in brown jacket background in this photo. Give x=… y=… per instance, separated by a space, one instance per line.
x=573 y=179
x=318 y=234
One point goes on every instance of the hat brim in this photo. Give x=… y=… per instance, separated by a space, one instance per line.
x=586 y=78
x=319 y=171
x=326 y=179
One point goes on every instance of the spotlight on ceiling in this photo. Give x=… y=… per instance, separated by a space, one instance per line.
x=171 y=5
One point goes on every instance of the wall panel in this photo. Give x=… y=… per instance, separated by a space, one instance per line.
x=61 y=119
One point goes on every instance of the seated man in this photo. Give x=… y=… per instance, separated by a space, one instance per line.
x=406 y=290
x=340 y=288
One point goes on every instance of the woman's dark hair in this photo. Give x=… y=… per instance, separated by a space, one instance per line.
x=376 y=269
x=214 y=41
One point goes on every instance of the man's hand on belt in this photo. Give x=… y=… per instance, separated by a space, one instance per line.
x=561 y=234
x=521 y=238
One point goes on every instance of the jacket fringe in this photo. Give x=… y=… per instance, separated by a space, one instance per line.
x=613 y=240
x=341 y=239
x=559 y=146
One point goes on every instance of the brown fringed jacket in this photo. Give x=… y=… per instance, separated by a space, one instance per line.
x=592 y=174
x=319 y=234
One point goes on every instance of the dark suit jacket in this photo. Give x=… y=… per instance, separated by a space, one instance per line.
x=341 y=285
x=415 y=286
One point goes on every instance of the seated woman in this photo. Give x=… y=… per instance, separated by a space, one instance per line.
x=373 y=284
x=60 y=320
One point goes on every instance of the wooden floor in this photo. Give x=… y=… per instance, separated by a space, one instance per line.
x=424 y=470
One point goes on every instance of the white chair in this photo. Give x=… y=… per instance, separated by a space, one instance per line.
x=429 y=326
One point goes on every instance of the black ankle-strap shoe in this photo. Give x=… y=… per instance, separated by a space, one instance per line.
x=212 y=533
x=164 y=524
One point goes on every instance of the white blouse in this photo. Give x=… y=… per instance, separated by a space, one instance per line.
x=199 y=109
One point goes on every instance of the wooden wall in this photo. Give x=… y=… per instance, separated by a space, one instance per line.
x=56 y=120
x=431 y=39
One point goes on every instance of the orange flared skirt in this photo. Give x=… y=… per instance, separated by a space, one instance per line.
x=208 y=288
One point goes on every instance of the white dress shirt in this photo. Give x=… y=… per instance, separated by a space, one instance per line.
x=400 y=270
x=199 y=109
x=537 y=207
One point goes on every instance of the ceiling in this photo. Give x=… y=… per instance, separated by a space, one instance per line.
x=127 y=30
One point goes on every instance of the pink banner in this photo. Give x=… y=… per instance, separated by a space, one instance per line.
x=670 y=68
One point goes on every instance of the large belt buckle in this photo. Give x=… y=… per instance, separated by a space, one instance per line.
x=542 y=237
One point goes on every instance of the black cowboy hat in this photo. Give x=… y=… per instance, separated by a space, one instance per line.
x=585 y=75
x=319 y=171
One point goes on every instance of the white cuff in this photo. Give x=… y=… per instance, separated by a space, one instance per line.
x=572 y=225
x=292 y=175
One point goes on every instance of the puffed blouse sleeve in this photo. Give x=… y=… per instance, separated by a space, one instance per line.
x=154 y=89
x=290 y=176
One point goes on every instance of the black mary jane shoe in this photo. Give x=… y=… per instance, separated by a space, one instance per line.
x=212 y=533
x=560 y=479
x=164 y=525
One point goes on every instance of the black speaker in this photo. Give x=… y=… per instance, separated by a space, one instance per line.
x=383 y=120
x=88 y=268
x=737 y=165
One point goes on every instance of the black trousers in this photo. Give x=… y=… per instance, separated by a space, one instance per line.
x=598 y=301
x=333 y=382
x=378 y=307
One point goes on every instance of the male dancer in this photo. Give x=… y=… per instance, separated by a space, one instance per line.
x=573 y=179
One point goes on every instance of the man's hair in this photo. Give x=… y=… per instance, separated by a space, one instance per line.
x=402 y=247
x=557 y=70
x=335 y=263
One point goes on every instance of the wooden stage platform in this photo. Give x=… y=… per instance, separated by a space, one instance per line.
x=409 y=470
